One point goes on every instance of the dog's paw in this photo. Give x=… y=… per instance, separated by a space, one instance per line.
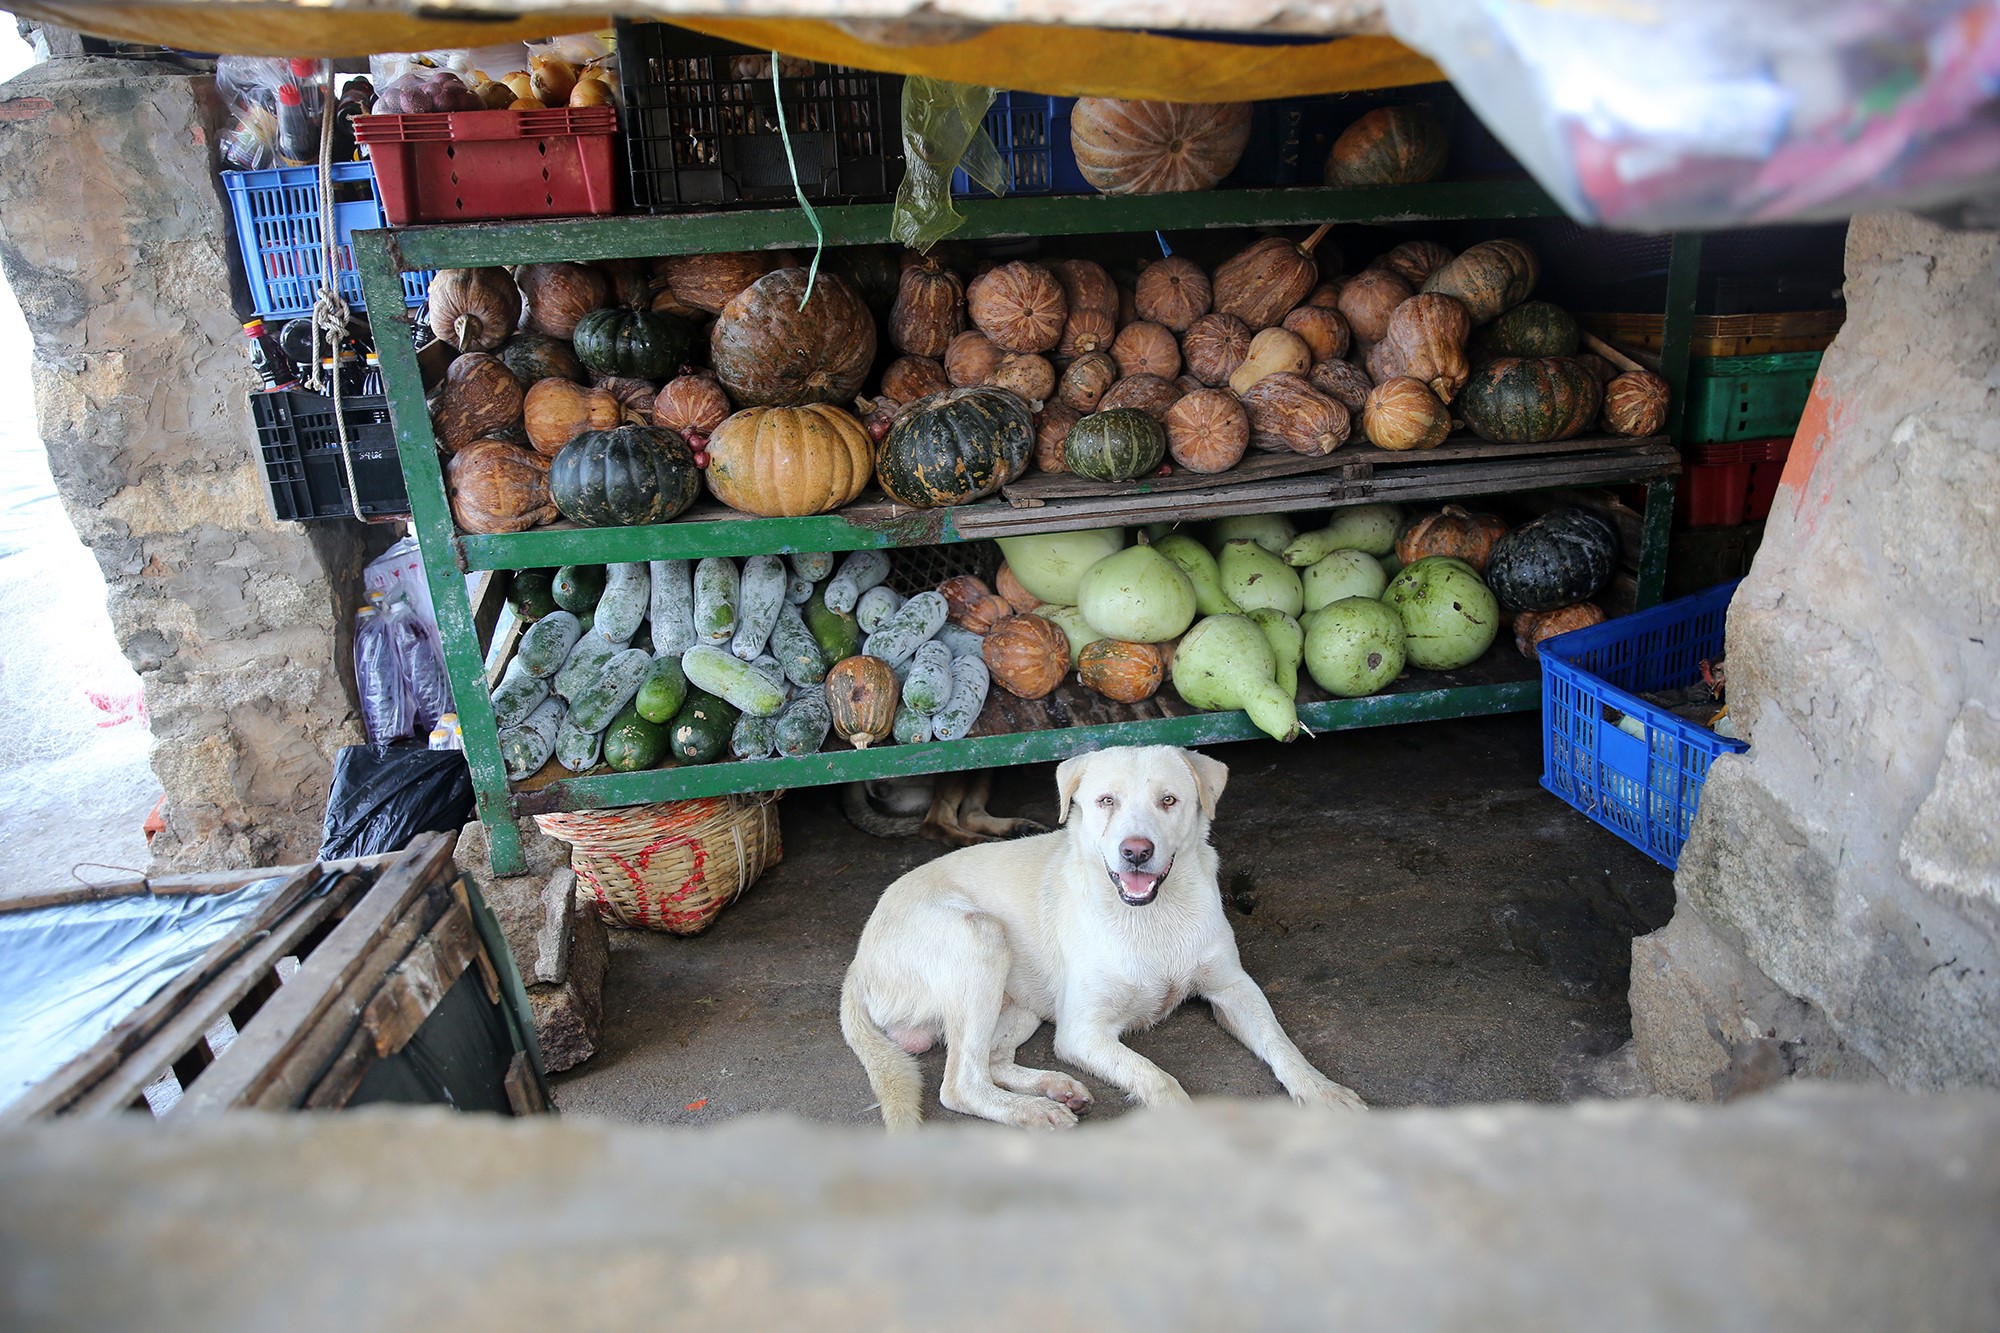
x=1035 y=1113
x=1062 y=1088
x=1329 y=1095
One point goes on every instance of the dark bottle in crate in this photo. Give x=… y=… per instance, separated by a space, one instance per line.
x=268 y=357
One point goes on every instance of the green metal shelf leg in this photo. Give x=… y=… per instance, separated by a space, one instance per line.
x=1655 y=538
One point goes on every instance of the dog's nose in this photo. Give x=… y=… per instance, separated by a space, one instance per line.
x=1136 y=851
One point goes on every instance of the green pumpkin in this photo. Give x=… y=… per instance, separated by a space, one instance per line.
x=1491 y=277
x=1528 y=400
x=624 y=477
x=532 y=593
x=1564 y=557
x=1391 y=145
x=632 y=743
x=641 y=344
x=533 y=357
x=1118 y=445
x=1533 y=328
x=954 y=447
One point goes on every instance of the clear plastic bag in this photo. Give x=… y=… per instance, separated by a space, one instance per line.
x=425 y=684
x=1717 y=113
x=386 y=711
x=943 y=130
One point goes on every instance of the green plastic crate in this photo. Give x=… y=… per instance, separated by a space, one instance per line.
x=1748 y=397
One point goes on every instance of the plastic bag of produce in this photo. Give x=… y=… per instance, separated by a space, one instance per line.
x=943 y=130
x=385 y=795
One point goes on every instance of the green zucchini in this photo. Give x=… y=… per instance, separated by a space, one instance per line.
x=812 y=566
x=754 y=737
x=627 y=590
x=798 y=652
x=969 y=682
x=912 y=727
x=576 y=749
x=632 y=743
x=532 y=594
x=546 y=645
x=861 y=571
x=914 y=623
x=519 y=693
x=729 y=677
x=663 y=691
x=672 y=607
x=576 y=588
x=876 y=606
x=803 y=726
x=928 y=686
x=837 y=633
x=585 y=661
x=962 y=641
x=592 y=709
x=715 y=587
x=699 y=733
x=760 y=595
x=527 y=745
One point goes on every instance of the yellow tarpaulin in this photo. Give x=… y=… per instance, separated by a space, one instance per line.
x=1172 y=66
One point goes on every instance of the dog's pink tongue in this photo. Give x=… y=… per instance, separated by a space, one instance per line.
x=1137 y=884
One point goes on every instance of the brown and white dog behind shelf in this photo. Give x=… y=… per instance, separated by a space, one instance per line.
x=1101 y=928
x=945 y=807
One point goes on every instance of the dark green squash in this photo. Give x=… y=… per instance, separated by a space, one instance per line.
x=1391 y=145
x=1527 y=400
x=633 y=743
x=532 y=594
x=1564 y=557
x=955 y=447
x=534 y=357
x=1533 y=328
x=639 y=344
x=1118 y=445
x=624 y=477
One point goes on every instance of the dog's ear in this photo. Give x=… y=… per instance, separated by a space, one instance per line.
x=1210 y=776
x=1069 y=776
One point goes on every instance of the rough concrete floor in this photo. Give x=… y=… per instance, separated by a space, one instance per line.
x=1431 y=926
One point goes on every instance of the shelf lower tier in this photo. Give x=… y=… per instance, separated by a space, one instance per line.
x=1015 y=731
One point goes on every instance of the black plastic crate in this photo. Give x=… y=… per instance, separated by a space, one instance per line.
x=302 y=463
x=701 y=124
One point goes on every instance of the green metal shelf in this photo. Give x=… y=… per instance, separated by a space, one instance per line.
x=383 y=256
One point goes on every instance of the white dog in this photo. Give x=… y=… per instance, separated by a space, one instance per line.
x=1102 y=927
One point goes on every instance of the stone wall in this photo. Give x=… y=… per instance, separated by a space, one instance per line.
x=1839 y=903
x=115 y=237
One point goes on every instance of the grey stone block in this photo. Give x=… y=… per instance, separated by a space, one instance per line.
x=569 y=1015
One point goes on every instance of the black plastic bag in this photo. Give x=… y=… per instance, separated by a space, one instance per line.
x=385 y=795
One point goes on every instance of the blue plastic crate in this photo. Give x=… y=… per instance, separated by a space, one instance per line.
x=277 y=228
x=1644 y=787
x=1031 y=132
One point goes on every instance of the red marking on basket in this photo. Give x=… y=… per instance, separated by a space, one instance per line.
x=644 y=858
x=695 y=1106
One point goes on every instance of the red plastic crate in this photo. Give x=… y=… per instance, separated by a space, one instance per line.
x=465 y=166
x=1726 y=484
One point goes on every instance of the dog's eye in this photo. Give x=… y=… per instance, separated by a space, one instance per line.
x=1169 y=800
x=1107 y=800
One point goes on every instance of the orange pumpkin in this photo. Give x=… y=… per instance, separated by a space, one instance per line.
x=969 y=603
x=1453 y=531
x=560 y=294
x=1052 y=425
x=1145 y=348
x=1344 y=382
x=1401 y=413
x=1087 y=380
x=1635 y=403
x=1325 y=331
x=499 y=487
x=909 y=378
x=1531 y=628
x=480 y=398
x=1126 y=673
x=1020 y=306
x=1426 y=341
x=1391 y=145
x=556 y=411
x=787 y=462
x=1151 y=394
x=1009 y=590
x=971 y=359
x=1208 y=431
x=1215 y=346
x=929 y=310
x=1135 y=147
x=1028 y=377
x=1174 y=292
x=1414 y=261
x=861 y=694
x=1026 y=655
x=693 y=404
x=1368 y=299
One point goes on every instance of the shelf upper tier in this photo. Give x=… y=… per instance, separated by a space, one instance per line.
x=465 y=245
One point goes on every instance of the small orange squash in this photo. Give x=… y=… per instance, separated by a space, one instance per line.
x=1174 y=292
x=1126 y=673
x=1009 y=590
x=1368 y=299
x=693 y=404
x=1020 y=306
x=1208 y=431
x=971 y=359
x=1052 y=425
x=1151 y=394
x=1087 y=380
x=1635 y=403
x=909 y=378
x=1325 y=331
x=1344 y=382
x=861 y=695
x=788 y=462
x=556 y=411
x=1426 y=341
x=1215 y=346
x=1402 y=413
x=1027 y=655
x=1531 y=628
x=1145 y=348
x=929 y=310
x=499 y=487
x=1453 y=531
x=480 y=398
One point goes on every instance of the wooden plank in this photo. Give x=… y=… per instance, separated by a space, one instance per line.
x=489 y=976
x=524 y=1090
x=91 y=1066
x=258 y=1056
x=171 y=886
x=419 y=981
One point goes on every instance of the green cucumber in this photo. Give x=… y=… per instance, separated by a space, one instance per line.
x=532 y=594
x=861 y=571
x=729 y=677
x=917 y=620
x=585 y=661
x=799 y=654
x=576 y=749
x=526 y=746
x=592 y=709
x=912 y=727
x=622 y=605
x=970 y=681
x=879 y=603
x=962 y=641
x=672 y=611
x=759 y=596
x=837 y=633
x=803 y=726
x=576 y=588
x=715 y=586
x=699 y=733
x=663 y=691
x=632 y=743
x=754 y=737
x=928 y=686
x=812 y=566
x=546 y=645
x=519 y=693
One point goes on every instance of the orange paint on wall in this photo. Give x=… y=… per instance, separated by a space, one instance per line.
x=1816 y=426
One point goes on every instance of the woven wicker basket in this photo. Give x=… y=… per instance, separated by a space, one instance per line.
x=671 y=866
